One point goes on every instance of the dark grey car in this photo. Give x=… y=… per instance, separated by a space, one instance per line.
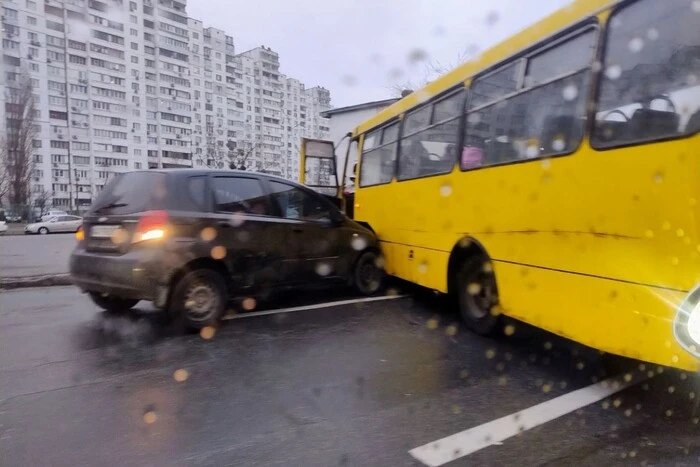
x=192 y=240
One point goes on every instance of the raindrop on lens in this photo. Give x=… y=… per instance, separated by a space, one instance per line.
x=323 y=269
x=249 y=304
x=358 y=243
x=696 y=6
x=180 y=375
x=559 y=144
x=150 y=417
x=492 y=18
x=417 y=55
x=474 y=118
x=208 y=234
x=636 y=44
x=207 y=332
x=445 y=190
x=218 y=252
x=237 y=219
x=613 y=72
x=652 y=34
x=423 y=267
x=570 y=93
x=349 y=80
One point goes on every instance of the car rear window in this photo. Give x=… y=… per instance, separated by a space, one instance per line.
x=132 y=192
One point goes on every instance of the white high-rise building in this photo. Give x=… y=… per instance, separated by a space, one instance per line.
x=133 y=85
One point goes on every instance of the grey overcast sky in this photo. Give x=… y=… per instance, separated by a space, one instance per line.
x=358 y=49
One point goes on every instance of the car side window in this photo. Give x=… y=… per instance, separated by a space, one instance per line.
x=239 y=194
x=196 y=188
x=298 y=204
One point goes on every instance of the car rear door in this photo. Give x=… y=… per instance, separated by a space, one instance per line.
x=309 y=233
x=252 y=237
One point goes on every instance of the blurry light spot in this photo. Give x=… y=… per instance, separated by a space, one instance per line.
x=666 y=225
x=423 y=267
x=636 y=44
x=546 y=164
x=615 y=385
x=596 y=66
x=323 y=269
x=432 y=323
x=638 y=407
x=463 y=374
x=392 y=292
x=563 y=384
x=237 y=219
x=669 y=413
x=559 y=144
x=546 y=388
x=379 y=262
x=674 y=359
x=208 y=234
x=628 y=377
x=675 y=261
x=580 y=366
x=696 y=420
x=652 y=34
x=500 y=366
x=456 y=409
x=617 y=403
x=207 y=332
x=349 y=80
x=445 y=190
x=684 y=376
x=487 y=267
x=606 y=405
x=474 y=288
x=358 y=243
x=642 y=367
x=451 y=330
x=496 y=310
x=180 y=375
x=650 y=373
x=628 y=412
x=532 y=150
x=150 y=417
x=509 y=330
x=649 y=234
x=474 y=118
x=490 y=354
x=691 y=395
x=658 y=177
x=696 y=6
x=671 y=389
x=417 y=55
x=502 y=380
x=645 y=386
x=508 y=356
x=503 y=139
x=570 y=93
x=249 y=304
x=395 y=73
x=613 y=72
x=547 y=345
x=218 y=252
x=465 y=242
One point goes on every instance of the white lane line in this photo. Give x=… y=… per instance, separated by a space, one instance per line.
x=313 y=307
x=474 y=439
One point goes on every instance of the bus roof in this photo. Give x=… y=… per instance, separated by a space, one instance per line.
x=557 y=21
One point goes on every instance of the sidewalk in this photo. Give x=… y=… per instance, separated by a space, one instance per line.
x=15 y=228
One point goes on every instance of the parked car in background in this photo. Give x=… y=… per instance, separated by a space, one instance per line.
x=3 y=227
x=192 y=240
x=55 y=224
x=53 y=213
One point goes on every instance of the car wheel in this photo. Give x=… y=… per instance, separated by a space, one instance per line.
x=368 y=276
x=113 y=305
x=43 y=231
x=198 y=299
x=477 y=296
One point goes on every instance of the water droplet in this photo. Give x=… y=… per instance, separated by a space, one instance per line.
x=218 y=252
x=492 y=18
x=674 y=358
x=395 y=73
x=474 y=118
x=606 y=405
x=451 y=330
x=613 y=72
x=432 y=323
x=323 y=269
x=680 y=233
x=691 y=79
x=474 y=288
x=502 y=380
x=417 y=55
x=675 y=261
x=628 y=412
x=548 y=345
x=570 y=92
x=650 y=373
x=617 y=403
x=207 y=234
x=490 y=354
x=379 y=262
x=696 y=420
x=546 y=388
x=666 y=225
x=636 y=44
x=487 y=267
x=628 y=377
x=658 y=177
x=464 y=243
x=207 y=332
x=249 y=304
x=445 y=190
x=463 y=374
x=503 y=139
x=532 y=151
x=652 y=34
x=683 y=376
x=649 y=233
x=669 y=413
x=496 y=310
x=150 y=417
x=423 y=267
x=596 y=66
x=180 y=375
x=237 y=219
x=358 y=243
x=509 y=330
x=696 y=6
x=580 y=366
x=546 y=164
x=349 y=80
x=392 y=292
x=456 y=410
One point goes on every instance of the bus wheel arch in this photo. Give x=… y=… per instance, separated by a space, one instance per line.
x=472 y=284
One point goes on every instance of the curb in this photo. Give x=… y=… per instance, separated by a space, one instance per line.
x=8 y=283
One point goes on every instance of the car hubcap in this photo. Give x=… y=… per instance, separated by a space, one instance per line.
x=479 y=304
x=201 y=302
x=368 y=274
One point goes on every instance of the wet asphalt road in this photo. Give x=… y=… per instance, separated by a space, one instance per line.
x=35 y=255
x=358 y=385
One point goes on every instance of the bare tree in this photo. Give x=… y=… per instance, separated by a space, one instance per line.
x=431 y=70
x=4 y=172
x=41 y=201
x=17 y=160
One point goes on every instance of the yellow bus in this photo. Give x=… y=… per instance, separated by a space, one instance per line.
x=554 y=179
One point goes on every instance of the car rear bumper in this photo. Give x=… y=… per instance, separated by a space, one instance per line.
x=138 y=274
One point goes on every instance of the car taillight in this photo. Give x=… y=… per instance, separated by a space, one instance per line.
x=151 y=226
x=80 y=233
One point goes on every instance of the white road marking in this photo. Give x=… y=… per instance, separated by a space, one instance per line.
x=474 y=439
x=316 y=306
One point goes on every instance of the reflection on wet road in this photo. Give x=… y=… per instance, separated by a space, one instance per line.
x=356 y=384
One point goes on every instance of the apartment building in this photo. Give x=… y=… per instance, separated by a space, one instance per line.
x=138 y=84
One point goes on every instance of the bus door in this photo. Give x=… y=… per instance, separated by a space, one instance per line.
x=318 y=169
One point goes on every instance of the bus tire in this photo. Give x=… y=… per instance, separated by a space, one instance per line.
x=477 y=296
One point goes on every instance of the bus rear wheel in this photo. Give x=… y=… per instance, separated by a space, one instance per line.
x=477 y=295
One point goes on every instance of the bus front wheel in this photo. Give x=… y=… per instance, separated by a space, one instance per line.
x=477 y=295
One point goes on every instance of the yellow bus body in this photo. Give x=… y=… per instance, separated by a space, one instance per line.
x=599 y=246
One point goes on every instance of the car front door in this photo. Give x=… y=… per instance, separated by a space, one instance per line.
x=62 y=224
x=251 y=236
x=311 y=236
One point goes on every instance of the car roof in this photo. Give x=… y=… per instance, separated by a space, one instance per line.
x=194 y=172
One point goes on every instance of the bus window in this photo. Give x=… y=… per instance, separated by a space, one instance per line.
x=496 y=85
x=542 y=120
x=417 y=119
x=650 y=83
x=378 y=161
x=449 y=107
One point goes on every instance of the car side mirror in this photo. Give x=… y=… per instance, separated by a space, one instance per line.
x=335 y=218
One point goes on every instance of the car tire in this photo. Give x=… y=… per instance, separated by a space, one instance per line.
x=43 y=231
x=477 y=296
x=112 y=305
x=198 y=300
x=367 y=277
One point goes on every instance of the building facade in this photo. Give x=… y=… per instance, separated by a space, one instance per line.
x=132 y=85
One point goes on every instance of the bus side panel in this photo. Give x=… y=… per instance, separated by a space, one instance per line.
x=620 y=318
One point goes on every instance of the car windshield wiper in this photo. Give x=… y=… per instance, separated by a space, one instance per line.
x=110 y=206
